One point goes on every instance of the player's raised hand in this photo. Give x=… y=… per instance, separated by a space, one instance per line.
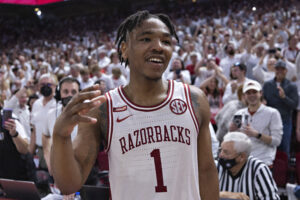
x=76 y=110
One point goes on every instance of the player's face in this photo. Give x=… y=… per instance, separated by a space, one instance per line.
x=253 y=97
x=148 y=49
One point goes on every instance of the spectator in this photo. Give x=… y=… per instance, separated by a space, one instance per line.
x=75 y=71
x=262 y=124
x=18 y=103
x=39 y=117
x=242 y=176
x=14 y=151
x=98 y=75
x=224 y=116
x=231 y=58
x=115 y=62
x=281 y=94
x=178 y=72
x=86 y=81
x=214 y=94
x=239 y=75
x=205 y=69
x=104 y=60
x=291 y=52
x=191 y=67
x=67 y=88
x=260 y=74
x=103 y=88
x=117 y=78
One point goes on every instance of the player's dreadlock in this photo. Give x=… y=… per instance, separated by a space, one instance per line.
x=136 y=20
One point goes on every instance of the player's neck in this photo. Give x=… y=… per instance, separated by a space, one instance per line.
x=147 y=93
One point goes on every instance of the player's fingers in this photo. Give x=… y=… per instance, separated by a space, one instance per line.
x=85 y=106
x=84 y=119
x=82 y=96
x=91 y=88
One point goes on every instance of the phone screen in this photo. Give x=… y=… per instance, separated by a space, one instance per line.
x=7 y=114
x=237 y=119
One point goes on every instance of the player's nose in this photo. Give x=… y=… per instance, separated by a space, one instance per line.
x=157 y=45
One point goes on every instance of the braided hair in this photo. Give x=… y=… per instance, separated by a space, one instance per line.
x=136 y=20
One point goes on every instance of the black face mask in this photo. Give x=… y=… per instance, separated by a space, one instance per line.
x=66 y=100
x=46 y=91
x=227 y=163
x=231 y=52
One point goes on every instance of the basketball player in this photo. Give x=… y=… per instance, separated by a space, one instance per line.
x=156 y=132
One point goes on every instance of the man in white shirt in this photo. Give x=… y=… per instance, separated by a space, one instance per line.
x=67 y=88
x=229 y=60
x=261 y=123
x=20 y=109
x=39 y=112
x=86 y=81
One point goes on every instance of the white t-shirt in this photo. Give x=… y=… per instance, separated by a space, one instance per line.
x=39 y=117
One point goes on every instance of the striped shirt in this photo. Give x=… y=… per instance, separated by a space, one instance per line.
x=255 y=180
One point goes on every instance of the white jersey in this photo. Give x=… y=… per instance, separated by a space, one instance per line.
x=153 y=150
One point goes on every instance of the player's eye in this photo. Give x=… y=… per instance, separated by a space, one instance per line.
x=167 y=42
x=145 y=40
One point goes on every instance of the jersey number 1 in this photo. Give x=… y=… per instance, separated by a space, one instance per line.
x=158 y=169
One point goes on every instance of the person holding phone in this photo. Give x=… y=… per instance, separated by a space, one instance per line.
x=179 y=73
x=18 y=104
x=13 y=148
x=261 y=123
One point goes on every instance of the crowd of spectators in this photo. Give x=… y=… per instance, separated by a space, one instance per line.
x=221 y=48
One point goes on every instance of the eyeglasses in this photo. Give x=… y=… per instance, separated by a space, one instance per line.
x=47 y=84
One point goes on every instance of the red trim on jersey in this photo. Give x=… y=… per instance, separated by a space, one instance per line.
x=190 y=106
x=109 y=121
x=148 y=108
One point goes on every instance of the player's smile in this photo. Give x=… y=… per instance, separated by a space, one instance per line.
x=157 y=61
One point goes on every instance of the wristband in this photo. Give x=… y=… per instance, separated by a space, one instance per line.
x=258 y=135
x=16 y=135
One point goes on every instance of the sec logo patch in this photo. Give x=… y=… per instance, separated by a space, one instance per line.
x=178 y=106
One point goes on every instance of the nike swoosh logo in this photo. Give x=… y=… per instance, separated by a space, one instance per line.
x=122 y=119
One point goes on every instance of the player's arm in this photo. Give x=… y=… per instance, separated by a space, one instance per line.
x=208 y=175
x=46 y=143
x=71 y=163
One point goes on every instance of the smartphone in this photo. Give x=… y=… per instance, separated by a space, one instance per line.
x=246 y=120
x=177 y=72
x=6 y=115
x=272 y=51
x=237 y=120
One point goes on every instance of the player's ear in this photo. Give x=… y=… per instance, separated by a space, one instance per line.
x=124 y=50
